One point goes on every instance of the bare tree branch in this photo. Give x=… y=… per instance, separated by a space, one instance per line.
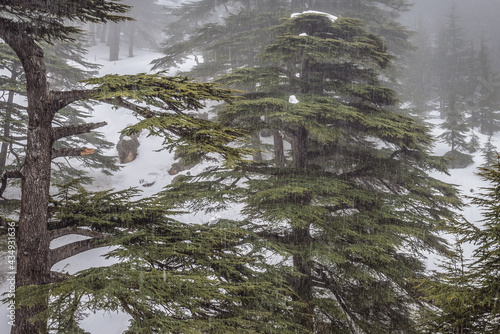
x=66 y=251
x=60 y=99
x=54 y=234
x=72 y=152
x=71 y=130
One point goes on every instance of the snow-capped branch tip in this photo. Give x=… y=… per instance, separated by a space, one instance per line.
x=331 y=17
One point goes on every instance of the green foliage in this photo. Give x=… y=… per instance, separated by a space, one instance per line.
x=466 y=294
x=455 y=129
x=61 y=58
x=490 y=153
x=449 y=291
x=352 y=207
x=162 y=101
x=48 y=20
x=169 y=277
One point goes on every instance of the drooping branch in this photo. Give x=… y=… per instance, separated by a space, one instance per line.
x=72 y=152
x=54 y=234
x=66 y=251
x=71 y=130
x=8 y=175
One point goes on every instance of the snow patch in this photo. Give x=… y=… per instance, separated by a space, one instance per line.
x=329 y=16
x=293 y=99
x=303 y=34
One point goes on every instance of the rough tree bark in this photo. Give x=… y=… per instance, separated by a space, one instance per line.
x=301 y=237
x=33 y=239
x=279 y=151
x=7 y=123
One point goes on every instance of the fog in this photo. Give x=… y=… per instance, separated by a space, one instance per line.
x=476 y=17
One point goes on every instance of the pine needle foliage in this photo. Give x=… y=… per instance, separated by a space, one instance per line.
x=162 y=101
x=62 y=74
x=467 y=299
x=170 y=277
x=48 y=20
x=349 y=204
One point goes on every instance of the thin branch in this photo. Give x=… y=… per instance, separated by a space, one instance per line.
x=72 y=152
x=144 y=112
x=71 y=130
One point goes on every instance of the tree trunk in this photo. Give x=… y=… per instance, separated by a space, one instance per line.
x=302 y=285
x=114 y=41
x=103 y=32
x=299 y=147
x=131 y=39
x=92 y=29
x=256 y=144
x=301 y=237
x=279 y=151
x=32 y=237
x=7 y=121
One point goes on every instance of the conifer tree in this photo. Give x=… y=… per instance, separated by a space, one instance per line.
x=449 y=292
x=469 y=302
x=474 y=144
x=486 y=111
x=344 y=193
x=61 y=75
x=170 y=277
x=158 y=99
x=490 y=153
x=236 y=42
x=450 y=66
x=455 y=129
x=418 y=74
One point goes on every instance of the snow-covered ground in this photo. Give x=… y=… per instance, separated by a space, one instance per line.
x=151 y=167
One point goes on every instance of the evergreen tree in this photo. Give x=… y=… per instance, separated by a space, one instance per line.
x=159 y=100
x=245 y=32
x=474 y=143
x=490 y=153
x=149 y=17
x=450 y=69
x=449 y=292
x=469 y=303
x=418 y=75
x=455 y=129
x=486 y=111
x=61 y=75
x=170 y=277
x=349 y=196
